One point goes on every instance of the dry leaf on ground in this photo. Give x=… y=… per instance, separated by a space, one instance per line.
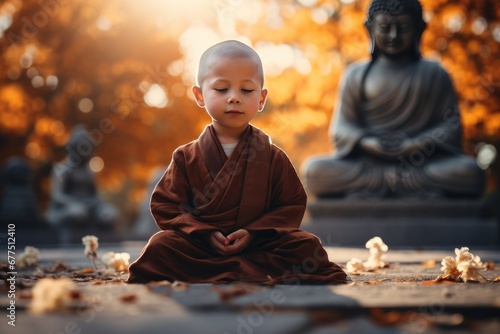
x=236 y=290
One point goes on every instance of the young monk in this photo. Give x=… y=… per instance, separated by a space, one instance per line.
x=230 y=203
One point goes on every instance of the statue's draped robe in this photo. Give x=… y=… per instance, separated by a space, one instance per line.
x=419 y=103
x=256 y=189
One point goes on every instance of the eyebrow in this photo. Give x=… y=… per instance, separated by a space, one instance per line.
x=225 y=80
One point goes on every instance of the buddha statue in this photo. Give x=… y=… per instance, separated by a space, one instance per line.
x=75 y=202
x=396 y=127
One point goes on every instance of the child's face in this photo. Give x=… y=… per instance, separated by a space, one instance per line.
x=231 y=93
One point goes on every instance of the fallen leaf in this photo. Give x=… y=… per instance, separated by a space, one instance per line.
x=75 y=295
x=131 y=298
x=497 y=279
x=85 y=271
x=429 y=263
x=59 y=266
x=97 y=282
x=388 y=318
x=371 y=282
x=160 y=283
x=26 y=295
x=439 y=280
x=236 y=290
x=490 y=265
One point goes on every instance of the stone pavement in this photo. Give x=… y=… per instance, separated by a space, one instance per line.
x=397 y=299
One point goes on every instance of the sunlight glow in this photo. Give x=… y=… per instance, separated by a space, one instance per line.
x=486 y=155
x=156 y=97
x=85 y=105
x=193 y=42
x=96 y=164
x=52 y=81
x=275 y=57
x=103 y=23
x=32 y=150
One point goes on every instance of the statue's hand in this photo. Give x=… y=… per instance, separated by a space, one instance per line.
x=388 y=146
x=408 y=146
x=372 y=145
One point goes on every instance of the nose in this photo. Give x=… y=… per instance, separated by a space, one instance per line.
x=394 y=31
x=233 y=98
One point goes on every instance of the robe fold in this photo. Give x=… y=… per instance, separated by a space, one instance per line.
x=256 y=188
x=420 y=102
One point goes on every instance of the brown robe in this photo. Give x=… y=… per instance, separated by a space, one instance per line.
x=256 y=189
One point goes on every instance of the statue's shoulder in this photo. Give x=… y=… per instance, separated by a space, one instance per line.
x=433 y=66
x=354 y=71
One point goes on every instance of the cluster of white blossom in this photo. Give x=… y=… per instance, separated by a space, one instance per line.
x=116 y=261
x=28 y=258
x=377 y=248
x=464 y=266
x=51 y=295
x=91 y=244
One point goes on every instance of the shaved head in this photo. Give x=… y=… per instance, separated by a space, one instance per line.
x=227 y=49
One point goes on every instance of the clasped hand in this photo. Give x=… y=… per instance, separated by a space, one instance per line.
x=388 y=147
x=233 y=243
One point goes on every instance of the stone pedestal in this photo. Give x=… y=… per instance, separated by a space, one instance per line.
x=402 y=223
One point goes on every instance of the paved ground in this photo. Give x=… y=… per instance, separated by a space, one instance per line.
x=397 y=299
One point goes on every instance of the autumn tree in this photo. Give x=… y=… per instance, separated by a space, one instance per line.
x=129 y=66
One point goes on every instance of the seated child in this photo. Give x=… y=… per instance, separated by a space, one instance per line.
x=230 y=203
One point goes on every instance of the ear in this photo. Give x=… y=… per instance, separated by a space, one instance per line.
x=198 y=96
x=263 y=98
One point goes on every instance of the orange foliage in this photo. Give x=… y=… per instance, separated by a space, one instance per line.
x=111 y=52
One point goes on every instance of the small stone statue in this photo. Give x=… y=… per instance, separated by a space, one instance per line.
x=75 y=202
x=18 y=203
x=397 y=126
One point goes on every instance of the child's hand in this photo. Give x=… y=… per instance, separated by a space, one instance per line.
x=238 y=241
x=218 y=242
x=234 y=243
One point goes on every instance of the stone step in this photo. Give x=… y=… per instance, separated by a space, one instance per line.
x=459 y=208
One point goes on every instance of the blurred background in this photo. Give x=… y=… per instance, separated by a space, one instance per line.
x=124 y=69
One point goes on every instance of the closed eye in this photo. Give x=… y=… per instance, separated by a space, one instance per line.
x=247 y=90
x=221 y=90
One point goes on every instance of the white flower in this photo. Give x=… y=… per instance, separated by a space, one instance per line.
x=117 y=261
x=355 y=265
x=469 y=270
x=449 y=266
x=463 y=254
x=28 y=258
x=377 y=249
x=377 y=244
x=91 y=244
x=465 y=265
x=51 y=295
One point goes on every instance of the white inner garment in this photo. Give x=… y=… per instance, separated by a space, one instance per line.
x=229 y=148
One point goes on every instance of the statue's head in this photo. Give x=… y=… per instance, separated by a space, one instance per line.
x=80 y=147
x=395 y=27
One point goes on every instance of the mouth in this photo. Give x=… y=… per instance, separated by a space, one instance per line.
x=234 y=112
x=393 y=44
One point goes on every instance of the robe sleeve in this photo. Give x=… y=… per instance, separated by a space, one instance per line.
x=288 y=198
x=170 y=202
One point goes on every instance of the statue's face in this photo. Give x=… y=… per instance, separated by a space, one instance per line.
x=394 y=34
